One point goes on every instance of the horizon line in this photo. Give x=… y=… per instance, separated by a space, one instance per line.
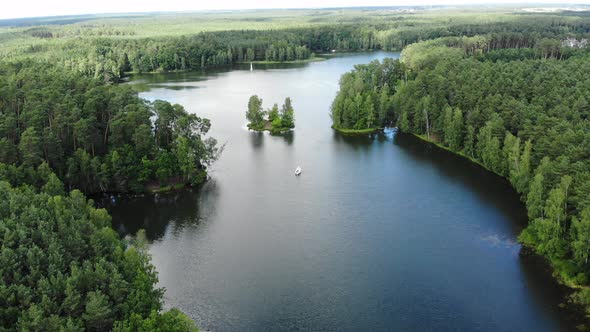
x=195 y=11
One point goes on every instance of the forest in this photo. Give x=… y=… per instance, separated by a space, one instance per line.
x=96 y=137
x=64 y=134
x=63 y=268
x=521 y=113
x=500 y=88
x=108 y=48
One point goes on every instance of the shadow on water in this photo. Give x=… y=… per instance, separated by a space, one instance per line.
x=486 y=185
x=256 y=139
x=364 y=142
x=147 y=81
x=173 y=87
x=155 y=213
x=288 y=136
x=545 y=289
x=498 y=192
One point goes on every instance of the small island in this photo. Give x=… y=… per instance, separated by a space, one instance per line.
x=276 y=121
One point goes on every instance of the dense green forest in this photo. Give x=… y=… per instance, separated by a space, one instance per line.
x=95 y=137
x=63 y=268
x=521 y=113
x=107 y=48
x=365 y=98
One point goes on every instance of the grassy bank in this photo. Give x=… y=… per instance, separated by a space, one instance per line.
x=177 y=183
x=163 y=189
x=356 y=131
x=267 y=126
x=459 y=153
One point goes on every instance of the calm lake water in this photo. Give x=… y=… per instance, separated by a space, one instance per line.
x=378 y=233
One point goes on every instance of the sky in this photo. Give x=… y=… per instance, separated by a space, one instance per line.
x=34 y=8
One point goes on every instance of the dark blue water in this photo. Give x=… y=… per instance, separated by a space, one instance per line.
x=378 y=233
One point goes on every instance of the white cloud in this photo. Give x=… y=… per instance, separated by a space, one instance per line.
x=33 y=8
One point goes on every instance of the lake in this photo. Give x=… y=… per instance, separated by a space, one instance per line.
x=382 y=232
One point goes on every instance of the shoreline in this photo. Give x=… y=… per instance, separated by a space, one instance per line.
x=569 y=287
x=354 y=132
x=100 y=197
x=265 y=62
x=318 y=58
x=128 y=74
x=152 y=189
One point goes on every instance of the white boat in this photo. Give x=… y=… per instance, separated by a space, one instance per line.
x=298 y=170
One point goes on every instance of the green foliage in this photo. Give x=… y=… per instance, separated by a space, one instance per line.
x=97 y=315
x=287 y=114
x=64 y=268
x=273 y=114
x=556 y=204
x=469 y=143
x=488 y=147
x=363 y=101
x=54 y=186
x=170 y=321
x=107 y=47
x=94 y=136
x=453 y=130
x=255 y=114
x=426 y=55
x=520 y=166
x=143 y=140
x=535 y=197
x=580 y=234
x=30 y=147
x=404 y=122
x=276 y=123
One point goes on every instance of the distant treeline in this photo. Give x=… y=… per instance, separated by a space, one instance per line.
x=110 y=56
x=113 y=57
x=365 y=97
x=95 y=137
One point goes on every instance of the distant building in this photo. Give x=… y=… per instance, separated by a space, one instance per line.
x=574 y=43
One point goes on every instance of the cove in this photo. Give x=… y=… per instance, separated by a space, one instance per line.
x=381 y=232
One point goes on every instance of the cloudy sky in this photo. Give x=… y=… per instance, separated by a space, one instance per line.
x=32 y=8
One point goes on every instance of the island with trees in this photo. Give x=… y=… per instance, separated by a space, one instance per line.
x=274 y=120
